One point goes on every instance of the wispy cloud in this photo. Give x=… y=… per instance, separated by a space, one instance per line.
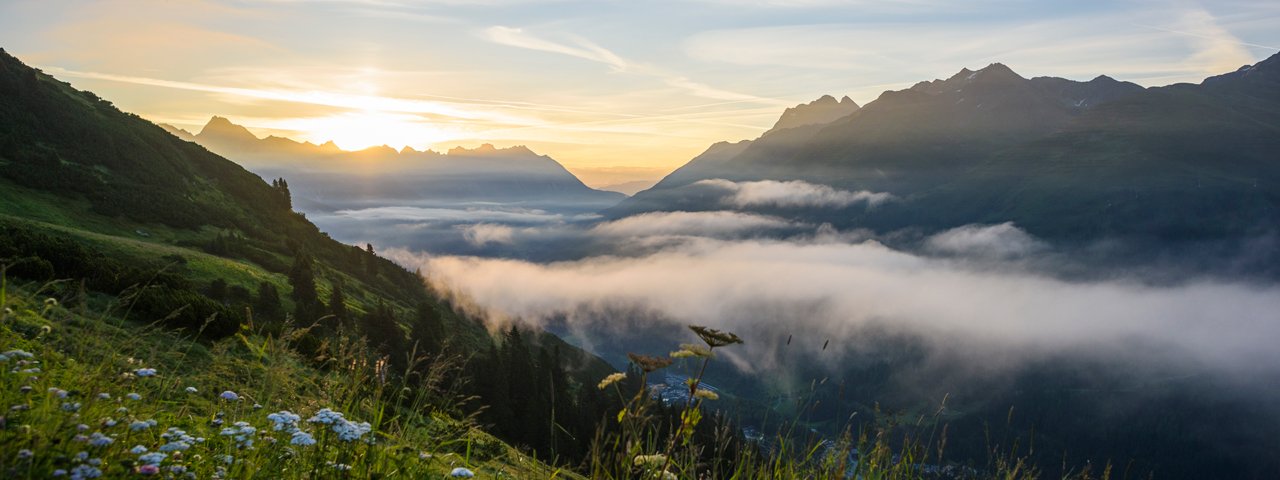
x=482 y=234
x=585 y=49
x=331 y=99
x=794 y=193
x=1160 y=46
x=709 y=224
x=991 y=241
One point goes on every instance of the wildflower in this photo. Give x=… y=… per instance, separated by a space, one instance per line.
x=461 y=473
x=83 y=472
x=667 y=475
x=139 y=426
x=58 y=392
x=648 y=363
x=82 y=456
x=347 y=430
x=703 y=394
x=122 y=410
x=242 y=432
x=424 y=456
x=80 y=438
x=650 y=460
x=107 y=422
x=611 y=379
x=100 y=440
x=284 y=420
x=715 y=338
x=20 y=407
x=227 y=459
x=70 y=406
x=192 y=390
x=148 y=470
x=145 y=372
x=257 y=406
x=81 y=427
x=25 y=454
x=59 y=473
x=138 y=450
x=17 y=354
x=229 y=396
x=682 y=354
x=174 y=447
x=302 y=438
x=697 y=350
x=25 y=389
x=104 y=396
x=178 y=469
x=153 y=458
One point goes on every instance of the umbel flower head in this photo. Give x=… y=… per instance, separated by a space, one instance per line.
x=647 y=363
x=715 y=338
x=611 y=379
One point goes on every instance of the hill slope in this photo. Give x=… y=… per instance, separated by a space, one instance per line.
x=194 y=243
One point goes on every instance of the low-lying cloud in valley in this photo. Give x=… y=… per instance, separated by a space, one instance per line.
x=792 y=194
x=710 y=224
x=821 y=287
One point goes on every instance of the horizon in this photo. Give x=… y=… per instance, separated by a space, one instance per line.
x=614 y=93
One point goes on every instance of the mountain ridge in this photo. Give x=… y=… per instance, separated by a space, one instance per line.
x=965 y=149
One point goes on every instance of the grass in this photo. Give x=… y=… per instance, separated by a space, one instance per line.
x=76 y=396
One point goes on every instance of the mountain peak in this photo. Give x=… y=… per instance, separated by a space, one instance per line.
x=825 y=109
x=487 y=149
x=997 y=71
x=221 y=127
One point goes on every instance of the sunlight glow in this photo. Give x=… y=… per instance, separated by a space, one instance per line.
x=358 y=130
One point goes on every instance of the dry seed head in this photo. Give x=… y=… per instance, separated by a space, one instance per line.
x=715 y=338
x=649 y=363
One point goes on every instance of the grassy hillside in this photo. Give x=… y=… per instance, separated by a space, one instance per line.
x=73 y=376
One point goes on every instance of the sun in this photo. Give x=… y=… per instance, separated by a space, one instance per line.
x=358 y=130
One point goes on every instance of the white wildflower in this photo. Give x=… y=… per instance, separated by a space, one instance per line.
x=611 y=379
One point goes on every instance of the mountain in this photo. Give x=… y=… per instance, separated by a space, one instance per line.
x=823 y=110
x=1070 y=162
x=345 y=179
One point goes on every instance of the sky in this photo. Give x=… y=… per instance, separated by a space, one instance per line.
x=615 y=90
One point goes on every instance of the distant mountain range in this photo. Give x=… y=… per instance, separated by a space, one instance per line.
x=1072 y=162
x=328 y=177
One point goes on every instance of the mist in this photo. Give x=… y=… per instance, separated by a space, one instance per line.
x=977 y=300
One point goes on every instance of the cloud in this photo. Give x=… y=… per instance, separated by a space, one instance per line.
x=516 y=37
x=482 y=234
x=311 y=97
x=1003 y=240
x=1161 y=45
x=585 y=49
x=818 y=289
x=718 y=223
x=793 y=193
x=451 y=215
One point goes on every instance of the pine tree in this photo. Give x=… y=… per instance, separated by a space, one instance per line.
x=267 y=304
x=338 y=306
x=427 y=329
x=307 y=306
